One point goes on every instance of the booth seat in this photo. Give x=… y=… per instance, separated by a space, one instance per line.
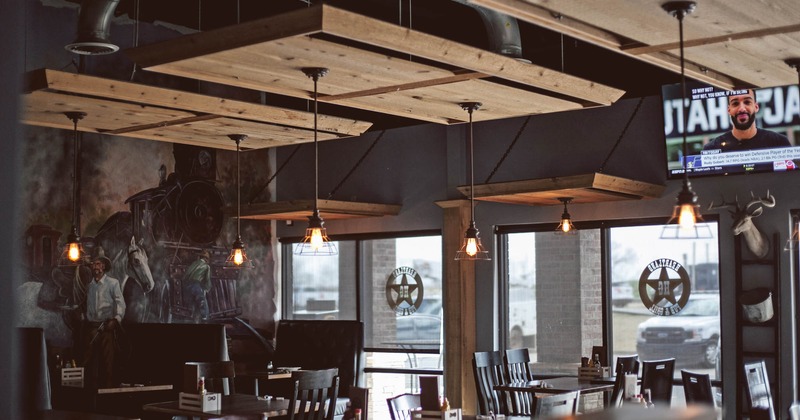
x=322 y=344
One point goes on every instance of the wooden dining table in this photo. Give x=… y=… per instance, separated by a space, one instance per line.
x=556 y=386
x=259 y=375
x=241 y=405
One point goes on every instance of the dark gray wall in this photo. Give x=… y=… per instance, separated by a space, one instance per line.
x=422 y=164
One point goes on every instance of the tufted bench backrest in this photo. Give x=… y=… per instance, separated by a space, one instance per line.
x=320 y=344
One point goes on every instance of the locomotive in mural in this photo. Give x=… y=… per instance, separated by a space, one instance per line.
x=167 y=228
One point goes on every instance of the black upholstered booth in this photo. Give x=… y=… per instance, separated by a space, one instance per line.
x=320 y=344
x=34 y=376
x=158 y=352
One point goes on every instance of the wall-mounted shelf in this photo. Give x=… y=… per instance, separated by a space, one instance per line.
x=370 y=67
x=146 y=112
x=329 y=210
x=585 y=188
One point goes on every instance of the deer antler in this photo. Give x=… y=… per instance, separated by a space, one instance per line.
x=767 y=201
x=724 y=204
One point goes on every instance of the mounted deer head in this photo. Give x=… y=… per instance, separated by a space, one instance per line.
x=743 y=221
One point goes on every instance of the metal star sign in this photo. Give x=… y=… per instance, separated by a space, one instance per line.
x=659 y=294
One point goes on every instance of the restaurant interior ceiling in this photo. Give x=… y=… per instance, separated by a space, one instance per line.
x=587 y=54
x=627 y=46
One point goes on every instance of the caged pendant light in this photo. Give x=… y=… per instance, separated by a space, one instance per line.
x=471 y=249
x=686 y=221
x=565 y=227
x=238 y=257
x=316 y=241
x=73 y=250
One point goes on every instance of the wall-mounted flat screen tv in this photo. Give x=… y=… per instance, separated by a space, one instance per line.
x=720 y=139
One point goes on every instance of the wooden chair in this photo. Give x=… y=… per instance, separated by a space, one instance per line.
x=697 y=388
x=758 y=391
x=624 y=365
x=518 y=369
x=556 y=404
x=489 y=371
x=314 y=394
x=657 y=376
x=627 y=364
x=400 y=406
x=219 y=376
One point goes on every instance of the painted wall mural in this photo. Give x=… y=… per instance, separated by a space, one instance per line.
x=156 y=210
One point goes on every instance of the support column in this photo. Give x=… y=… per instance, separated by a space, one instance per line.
x=458 y=297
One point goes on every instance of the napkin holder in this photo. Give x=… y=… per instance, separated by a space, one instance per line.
x=593 y=372
x=72 y=376
x=208 y=402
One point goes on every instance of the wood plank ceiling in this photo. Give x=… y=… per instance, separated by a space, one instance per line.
x=146 y=112
x=739 y=43
x=374 y=65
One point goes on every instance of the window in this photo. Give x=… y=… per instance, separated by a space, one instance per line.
x=558 y=288
x=392 y=284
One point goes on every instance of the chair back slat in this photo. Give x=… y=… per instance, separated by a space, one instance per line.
x=518 y=369
x=625 y=365
x=556 y=404
x=697 y=388
x=489 y=371
x=314 y=394
x=219 y=376
x=657 y=377
x=400 y=406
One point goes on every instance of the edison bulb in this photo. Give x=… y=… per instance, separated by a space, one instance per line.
x=472 y=247
x=565 y=225
x=74 y=252
x=238 y=257
x=686 y=218
x=316 y=239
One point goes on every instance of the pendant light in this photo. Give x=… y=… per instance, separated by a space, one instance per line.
x=73 y=250
x=316 y=241
x=565 y=227
x=471 y=249
x=686 y=221
x=238 y=258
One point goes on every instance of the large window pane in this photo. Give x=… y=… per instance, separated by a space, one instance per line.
x=554 y=297
x=664 y=276
x=399 y=281
x=322 y=287
x=403 y=278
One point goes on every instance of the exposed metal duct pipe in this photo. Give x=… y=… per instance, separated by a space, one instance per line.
x=503 y=31
x=94 y=21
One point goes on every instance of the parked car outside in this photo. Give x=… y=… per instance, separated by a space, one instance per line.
x=424 y=325
x=692 y=336
x=621 y=293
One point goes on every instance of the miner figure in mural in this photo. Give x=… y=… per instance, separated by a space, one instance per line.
x=195 y=285
x=105 y=308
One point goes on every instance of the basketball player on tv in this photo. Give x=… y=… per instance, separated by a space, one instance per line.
x=745 y=135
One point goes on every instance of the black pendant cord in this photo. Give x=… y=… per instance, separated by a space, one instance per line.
x=471 y=171
x=238 y=191
x=76 y=193
x=76 y=165
x=621 y=135
x=353 y=169
x=680 y=14
x=316 y=148
x=508 y=149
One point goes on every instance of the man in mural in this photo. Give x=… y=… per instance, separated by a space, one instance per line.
x=105 y=308
x=196 y=284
